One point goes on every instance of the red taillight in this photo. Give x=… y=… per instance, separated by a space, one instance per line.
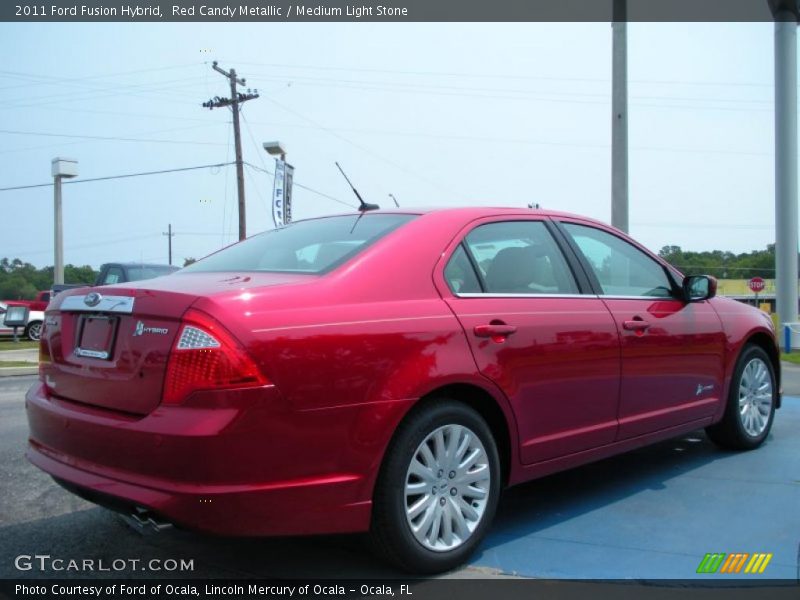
x=205 y=357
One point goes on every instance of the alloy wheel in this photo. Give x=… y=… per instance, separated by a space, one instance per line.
x=35 y=331
x=447 y=487
x=755 y=397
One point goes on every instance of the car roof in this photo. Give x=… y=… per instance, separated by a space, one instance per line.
x=468 y=213
x=140 y=264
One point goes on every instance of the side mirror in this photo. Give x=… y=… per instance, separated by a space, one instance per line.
x=697 y=288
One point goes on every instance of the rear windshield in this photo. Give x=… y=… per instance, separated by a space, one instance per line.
x=313 y=246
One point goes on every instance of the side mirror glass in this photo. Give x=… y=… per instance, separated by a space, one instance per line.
x=697 y=288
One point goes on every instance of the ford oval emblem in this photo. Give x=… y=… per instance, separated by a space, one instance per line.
x=92 y=299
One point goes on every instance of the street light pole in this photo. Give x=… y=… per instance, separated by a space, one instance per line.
x=58 y=261
x=619 y=117
x=60 y=168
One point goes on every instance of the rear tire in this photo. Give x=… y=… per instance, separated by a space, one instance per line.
x=438 y=489
x=750 y=409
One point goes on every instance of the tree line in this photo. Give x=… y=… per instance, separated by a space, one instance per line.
x=20 y=280
x=722 y=265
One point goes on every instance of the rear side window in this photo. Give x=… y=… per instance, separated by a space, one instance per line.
x=460 y=275
x=140 y=272
x=314 y=246
x=620 y=268
x=113 y=275
x=517 y=257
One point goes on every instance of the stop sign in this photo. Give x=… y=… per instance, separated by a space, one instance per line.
x=756 y=284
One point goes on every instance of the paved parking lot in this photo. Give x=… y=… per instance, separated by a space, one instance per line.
x=650 y=514
x=654 y=513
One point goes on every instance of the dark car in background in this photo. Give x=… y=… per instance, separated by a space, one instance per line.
x=118 y=272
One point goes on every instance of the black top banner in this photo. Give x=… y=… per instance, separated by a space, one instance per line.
x=397 y=10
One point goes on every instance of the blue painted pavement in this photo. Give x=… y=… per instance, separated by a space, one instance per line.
x=654 y=513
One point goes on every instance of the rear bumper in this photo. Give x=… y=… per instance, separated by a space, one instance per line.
x=291 y=508
x=249 y=468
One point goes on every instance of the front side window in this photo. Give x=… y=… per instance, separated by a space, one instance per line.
x=518 y=257
x=620 y=268
x=314 y=246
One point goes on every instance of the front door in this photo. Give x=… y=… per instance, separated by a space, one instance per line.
x=672 y=350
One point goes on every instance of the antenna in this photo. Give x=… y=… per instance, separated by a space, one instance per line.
x=396 y=203
x=364 y=205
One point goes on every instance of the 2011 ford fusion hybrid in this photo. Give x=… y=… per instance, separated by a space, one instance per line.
x=388 y=372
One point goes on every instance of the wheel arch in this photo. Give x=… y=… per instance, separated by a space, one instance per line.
x=766 y=343
x=485 y=404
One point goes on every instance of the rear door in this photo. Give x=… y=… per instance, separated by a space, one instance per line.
x=672 y=350
x=552 y=349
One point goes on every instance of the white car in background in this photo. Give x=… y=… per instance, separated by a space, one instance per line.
x=33 y=329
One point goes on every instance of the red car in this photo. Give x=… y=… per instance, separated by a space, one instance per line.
x=388 y=372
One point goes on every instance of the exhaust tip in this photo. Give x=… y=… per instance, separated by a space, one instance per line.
x=143 y=521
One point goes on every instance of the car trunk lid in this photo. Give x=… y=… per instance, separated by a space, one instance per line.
x=108 y=346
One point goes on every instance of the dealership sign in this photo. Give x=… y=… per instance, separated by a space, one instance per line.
x=282 y=193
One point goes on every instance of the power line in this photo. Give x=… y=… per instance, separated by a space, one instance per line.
x=259 y=153
x=115 y=138
x=503 y=76
x=104 y=75
x=422 y=87
x=332 y=132
x=142 y=174
x=554 y=97
x=304 y=187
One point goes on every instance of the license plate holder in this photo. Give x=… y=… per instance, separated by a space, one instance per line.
x=96 y=336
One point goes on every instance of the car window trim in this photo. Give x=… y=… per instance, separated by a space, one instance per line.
x=578 y=274
x=509 y=295
x=581 y=284
x=473 y=263
x=598 y=289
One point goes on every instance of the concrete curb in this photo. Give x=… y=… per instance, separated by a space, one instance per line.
x=17 y=371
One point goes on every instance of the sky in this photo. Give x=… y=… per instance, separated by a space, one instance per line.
x=439 y=114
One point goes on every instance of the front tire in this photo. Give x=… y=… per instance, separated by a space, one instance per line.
x=34 y=331
x=438 y=488
x=751 y=403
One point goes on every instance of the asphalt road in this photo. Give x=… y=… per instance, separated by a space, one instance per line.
x=38 y=517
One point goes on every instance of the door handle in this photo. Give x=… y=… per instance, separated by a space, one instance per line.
x=639 y=325
x=497 y=331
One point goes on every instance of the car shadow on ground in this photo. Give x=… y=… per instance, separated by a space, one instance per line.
x=543 y=503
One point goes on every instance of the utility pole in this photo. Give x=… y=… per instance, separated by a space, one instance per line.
x=169 y=235
x=234 y=101
x=619 y=117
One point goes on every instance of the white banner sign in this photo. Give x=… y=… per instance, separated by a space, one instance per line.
x=282 y=193
x=278 y=212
